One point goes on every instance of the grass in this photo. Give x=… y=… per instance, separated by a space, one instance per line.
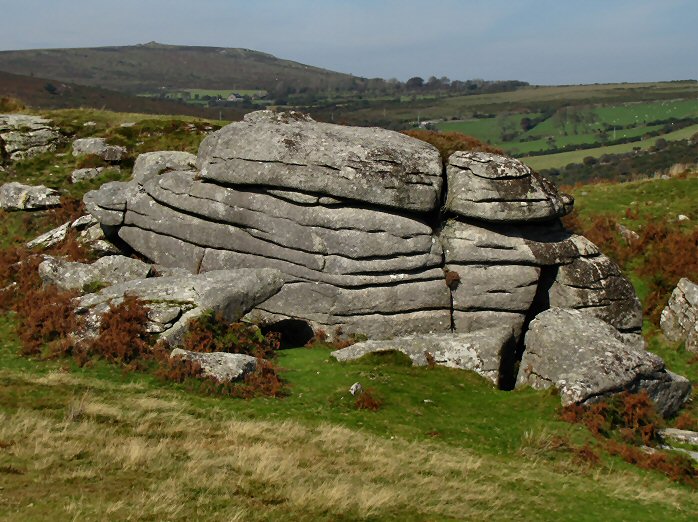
x=96 y=443
x=564 y=158
x=654 y=198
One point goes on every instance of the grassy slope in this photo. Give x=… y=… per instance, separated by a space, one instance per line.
x=96 y=443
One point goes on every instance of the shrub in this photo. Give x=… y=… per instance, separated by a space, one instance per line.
x=210 y=332
x=10 y=104
x=367 y=400
x=46 y=316
x=123 y=338
x=450 y=142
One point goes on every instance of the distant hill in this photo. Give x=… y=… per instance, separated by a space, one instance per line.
x=54 y=94
x=150 y=67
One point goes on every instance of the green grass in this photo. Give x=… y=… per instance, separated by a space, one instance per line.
x=564 y=158
x=98 y=443
x=653 y=198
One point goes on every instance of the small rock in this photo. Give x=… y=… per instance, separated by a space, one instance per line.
x=683 y=217
x=356 y=388
x=221 y=366
x=679 y=320
x=152 y=164
x=85 y=174
x=98 y=147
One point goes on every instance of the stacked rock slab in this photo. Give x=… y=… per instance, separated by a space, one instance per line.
x=351 y=217
x=505 y=241
x=343 y=212
x=23 y=136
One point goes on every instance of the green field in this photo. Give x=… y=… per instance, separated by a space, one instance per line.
x=575 y=125
x=559 y=160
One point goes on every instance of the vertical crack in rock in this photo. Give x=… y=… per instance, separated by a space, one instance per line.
x=511 y=359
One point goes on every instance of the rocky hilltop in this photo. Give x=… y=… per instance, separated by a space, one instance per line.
x=374 y=236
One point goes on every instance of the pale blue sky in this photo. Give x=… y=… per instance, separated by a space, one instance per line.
x=539 y=41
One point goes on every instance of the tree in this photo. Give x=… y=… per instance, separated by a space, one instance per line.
x=415 y=82
x=50 y=88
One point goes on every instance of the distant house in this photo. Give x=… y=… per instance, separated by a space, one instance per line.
x=235 y=97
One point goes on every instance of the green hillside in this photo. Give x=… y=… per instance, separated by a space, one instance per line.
x=151 y=67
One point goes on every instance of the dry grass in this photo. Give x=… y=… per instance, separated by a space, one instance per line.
x=137 y=456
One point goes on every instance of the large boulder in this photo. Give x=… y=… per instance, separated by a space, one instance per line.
x=174 y=301
x=98 y=147
x=292 y=151
x=481 y=351
x=679 y=320
x=587 y=359
x=497 y=188
x=16 y=196
x=23 y=136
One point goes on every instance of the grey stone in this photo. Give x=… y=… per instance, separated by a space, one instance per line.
x=374 y=311
x=50 y=238
x=509 y=288
x=683 y=436
x=469 y=321
x=679 y=320
x=497 y=188
x=85 y=174
x=596 y=285
x=108 y=270
x=291 y=151
x=98 y=147
x=587 y=359
x=232 y=293
x=152 y=164
x=16 y=196
x=24 y=136
x=108 y=203
x=537 y=244
x=221 y=366
x=481 y=351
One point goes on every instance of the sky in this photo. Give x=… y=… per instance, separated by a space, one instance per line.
x=545 y=42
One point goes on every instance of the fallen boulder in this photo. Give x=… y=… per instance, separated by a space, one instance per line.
x=679 y=320
x=221 y=366
x=16 y=196
x=174 y=301
x=587 y=360
x=482 y=351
